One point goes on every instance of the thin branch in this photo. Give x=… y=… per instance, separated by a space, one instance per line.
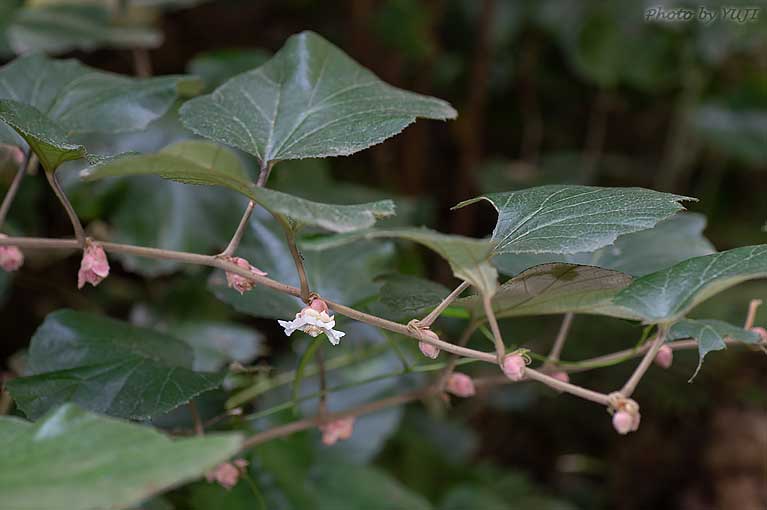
x=453 y=361
x=434 y=314
x=198 y=427
x=649 y=356
x=753 y=306
x=500 y=348
x=76 y=225
x=298 y=259
x=263 y=176
x=559 y=343
x=14 y=187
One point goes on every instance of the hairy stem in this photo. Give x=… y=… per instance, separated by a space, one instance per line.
x=263 y=176
x=500 y=348
x=559 y=343
x=76 y=225
x=648 y=358
x=434 y=314
x=298 y=259
x=14 y=187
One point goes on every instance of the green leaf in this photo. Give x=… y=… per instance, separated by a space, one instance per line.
x=666 y=296
x=572 y=219
x=63 y=28
x=308 y=101
x=468 y=257
x=84 y=100
x=107 y=366
x=554 y=289
x=710 y=335
x=404 y=297
x=217 y=66
x=47 y=139
x=202 y=162
x=344 y=274
x=216 y=344
x=670 y=241
x=83 y=461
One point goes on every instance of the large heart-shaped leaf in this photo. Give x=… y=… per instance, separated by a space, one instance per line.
x=107 y=366
x=710 y=335
x=556 y=288
x=202 y=162
x=469 y=258
x=81 y=461
x=572 y=219
x=308 y=101
x=84 y=100
x=345 y=273
x=670 y=241
x=46 y=138
x=66 y=27
x=666 y=296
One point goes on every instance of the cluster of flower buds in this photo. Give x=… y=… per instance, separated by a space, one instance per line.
x=625 y=413
x=314 y=320
x=238 y=282
x=94 y=266
x=11 y=257
x=337 y=430
x=227 y=474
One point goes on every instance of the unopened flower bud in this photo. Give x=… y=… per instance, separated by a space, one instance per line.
x=94 y=266
x=429 y=350
x=514 y=367
x=319 y=305
x=240 y=283
x=11 y=257
x=227 y=474
x=664 y=357
x=460 y=385
x=761 y=332
x=337 y=430
x=623 y=422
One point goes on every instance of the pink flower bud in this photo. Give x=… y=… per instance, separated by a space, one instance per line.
x=11 y=257
x=240 y=283
x=761 y=332
x=338 y=429
x=460 y=385
x=429 y=350
x=623 y=422
x=94 y=266
x=318 y=305
x=664 y=357
x=514 y=367
x=227 y=474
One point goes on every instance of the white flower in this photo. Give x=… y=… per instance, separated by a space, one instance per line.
x=314 y=320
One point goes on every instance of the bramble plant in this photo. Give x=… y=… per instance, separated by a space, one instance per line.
x=631 y=254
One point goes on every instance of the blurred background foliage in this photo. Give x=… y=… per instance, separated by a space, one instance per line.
x=551 y=91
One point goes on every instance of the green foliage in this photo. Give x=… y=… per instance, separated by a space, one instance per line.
x=107 y=366
x=309 y=101
x=572 y=219
x=89 y=461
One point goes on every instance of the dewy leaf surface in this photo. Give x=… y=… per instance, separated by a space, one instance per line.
x=81 y=99
x=572 y=219
x=308 y=101
x=46 y=138
x=77 y=460
x=202 y=162
x=640 y=253
x=556 y=288
x=107 y=366
x=710 y=335
x=666 y=296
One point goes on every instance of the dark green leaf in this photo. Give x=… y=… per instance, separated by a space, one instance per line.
x=572 y=219
x=710 y=335
x=82 y=461
x=46 y=138
x=666 y=296
x=403 y=297
x=556 y=288
x=309 y=101
x=107 y=366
